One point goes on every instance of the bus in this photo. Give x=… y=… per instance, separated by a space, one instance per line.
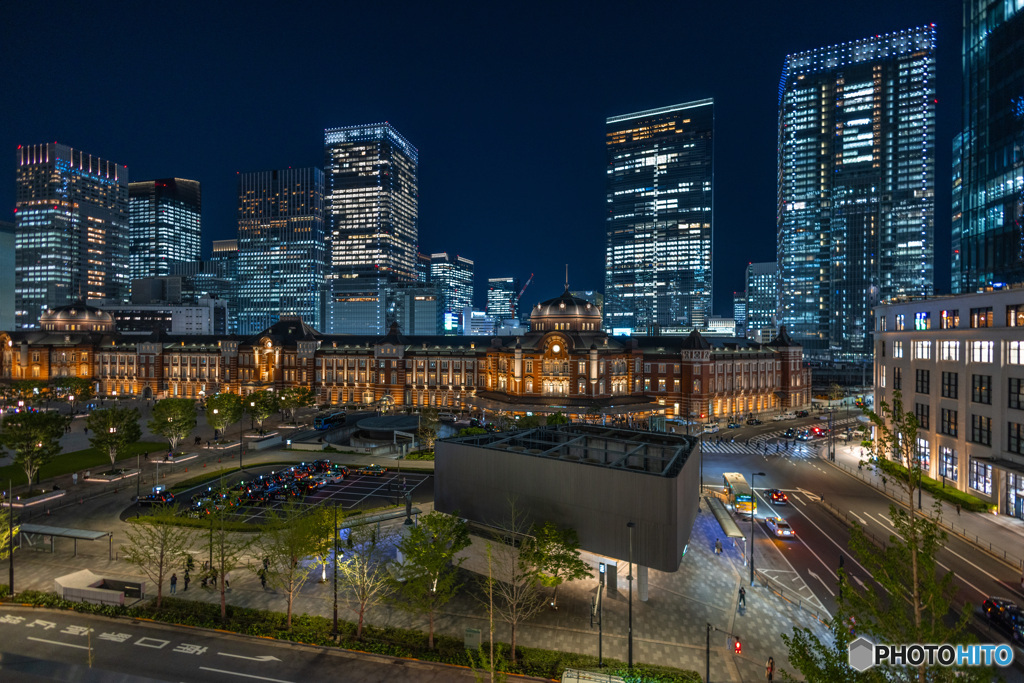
x=739 y=493
x=329 y=420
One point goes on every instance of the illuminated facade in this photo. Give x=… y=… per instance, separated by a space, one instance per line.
x=281 y=246
x=988 y=239
x=856 y=141
x=564 y=363
x=164 y=225
x=503 y=298
x=453 y=276
x=659 y=222
x=71 y=230
x=762 y=298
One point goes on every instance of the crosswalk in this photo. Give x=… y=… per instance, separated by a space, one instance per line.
x=770 y=443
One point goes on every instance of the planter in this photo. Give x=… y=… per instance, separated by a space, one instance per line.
x=106 y=477
x=20 y=502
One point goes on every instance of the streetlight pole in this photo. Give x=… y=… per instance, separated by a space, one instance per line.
x=334 y=631
x=753 y=508
x=10 y=535
x=631 y=526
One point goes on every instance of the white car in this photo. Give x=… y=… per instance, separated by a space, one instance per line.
x=710 y=427
x=778 y=418
x=780 y=527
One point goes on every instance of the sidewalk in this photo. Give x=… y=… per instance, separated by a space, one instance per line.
x=1000 y=536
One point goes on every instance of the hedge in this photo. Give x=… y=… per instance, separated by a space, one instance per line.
x=948 y=493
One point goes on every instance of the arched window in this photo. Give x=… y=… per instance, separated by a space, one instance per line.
x=582 y=386
x=529 y=385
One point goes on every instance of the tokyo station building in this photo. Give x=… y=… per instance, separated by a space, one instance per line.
x=565 y=363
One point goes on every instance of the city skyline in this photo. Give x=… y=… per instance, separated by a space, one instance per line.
x=526 y=126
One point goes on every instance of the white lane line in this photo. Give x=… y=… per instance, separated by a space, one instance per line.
x=796 y=498
x=842 y=550
x=859 y=518
x=876 y=521
x=830 y=592
x=57 y=642
x=997 y=580
x=237 y=673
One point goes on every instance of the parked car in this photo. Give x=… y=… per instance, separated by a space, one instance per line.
x=447 y=417
x=778 y=418
x=778 y=497
x=780 y=527
x=754 y=421
x=789 y=416
x=372 y=470
x=159 y=498
x=734 y=425
x=710 y=427
x=1006 y=616
x=802 y=413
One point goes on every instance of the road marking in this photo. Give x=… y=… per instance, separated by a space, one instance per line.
x=841 y=548
x=810 y=496
x=57 y=642
x=812 y=573
x=261 y=658
x=238 y=673
x=796 y=498
x=859 y=582
x=859 y=518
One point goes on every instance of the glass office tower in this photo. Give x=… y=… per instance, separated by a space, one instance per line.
x=453 y=276
x=164 y=225
x=71 y=230
x=989 y=237
x=503 y=298
x=281 y=247
x=762 y=298
x=659 y=221
x=856 y=197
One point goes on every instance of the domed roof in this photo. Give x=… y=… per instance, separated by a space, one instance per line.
x=81 y=315
x=566 y=306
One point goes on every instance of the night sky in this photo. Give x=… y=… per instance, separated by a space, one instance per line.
x=505 y=101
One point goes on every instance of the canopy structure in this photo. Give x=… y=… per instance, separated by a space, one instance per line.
x=31 y=533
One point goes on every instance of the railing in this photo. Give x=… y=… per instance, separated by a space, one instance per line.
x=792 y=598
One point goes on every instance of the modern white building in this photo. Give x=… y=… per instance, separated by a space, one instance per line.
x=959 y=363
x=206 y=316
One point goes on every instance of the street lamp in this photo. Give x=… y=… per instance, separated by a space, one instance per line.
x=753 y=508
x=629 y=577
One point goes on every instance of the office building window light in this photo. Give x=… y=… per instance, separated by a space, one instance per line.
x=950 y=384
x=901 y=322
x=948 y=463
x=922 y=321
x=924 y=453
x=1015 y=315
x=981 y=430
x=982 y=351
x=949 y=350
x=1013 y=353
x=1015 y=438
x=980 y=476
x=897 y=349
x=950 y=320
x=981 y=317
x=922 y=350
x=981 y=389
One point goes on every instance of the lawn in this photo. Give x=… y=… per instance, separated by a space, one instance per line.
x=77 y=461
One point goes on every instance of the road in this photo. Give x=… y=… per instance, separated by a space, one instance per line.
x=38 y=645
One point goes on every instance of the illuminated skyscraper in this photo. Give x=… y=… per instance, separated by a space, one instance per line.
x=988 y=238
x=164 y=225
x=71 y=229
x=453 y=276
x=659 y=221
x=762 y=299
x=281 y=247
x=856 y=186
x=503 y=298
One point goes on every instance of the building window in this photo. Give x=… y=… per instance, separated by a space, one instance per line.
x=948 y=424
x=922 y=411
x=901 y=321
x=923 y=381
x=981 y=430
x=897 y=349
x=981 y=389
x=950 y=320
x=950 y=384
x=881 y=376
x=1014 y=444
x=949 y=350
x=980 y=476
x=981 y=351
x=1016 y=394
x=661 y=385
x=647 y=384
x=947 y=463
x=981 y=317
x=1015 y=315
x=922 y=321
x=647 y=368
x=882 y=323
x=923 y=350
x=529 y=366
x=924 y=454
x=1013 y=353
x=897 y=379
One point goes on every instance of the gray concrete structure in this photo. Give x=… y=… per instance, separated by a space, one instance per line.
x=593 y=479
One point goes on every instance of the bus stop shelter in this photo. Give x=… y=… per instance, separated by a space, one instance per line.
x=37 y=533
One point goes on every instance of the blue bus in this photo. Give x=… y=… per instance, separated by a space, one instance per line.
x=329 y=420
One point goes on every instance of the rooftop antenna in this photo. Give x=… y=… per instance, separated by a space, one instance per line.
x=567 y=277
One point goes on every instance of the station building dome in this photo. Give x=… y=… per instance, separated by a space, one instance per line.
x=567 y=313
x=77 y=317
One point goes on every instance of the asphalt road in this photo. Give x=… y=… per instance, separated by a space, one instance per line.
x=38 y=645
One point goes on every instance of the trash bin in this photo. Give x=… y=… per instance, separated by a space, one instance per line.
x=472 y=641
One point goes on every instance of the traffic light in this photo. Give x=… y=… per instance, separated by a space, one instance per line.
x=737 y=648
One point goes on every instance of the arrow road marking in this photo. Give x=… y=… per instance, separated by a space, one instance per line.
x=859 y=519
x=237 y=673
x=57 y=642
x=261 y=658
x=859 y=582
x=796 y=498
x=811 y=572
x=813 y=498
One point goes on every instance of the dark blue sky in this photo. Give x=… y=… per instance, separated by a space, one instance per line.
x=505 y=101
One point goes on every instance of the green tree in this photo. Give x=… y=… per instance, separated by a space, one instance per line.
x=30 y=391
x=155 y=543
x=429 y=425
x=294 y=398
x=222 y=410
x=71 y=388
x=34 y=438
x=260 y=405
x=429 y=571
x=362 y=570
x=557 y=419
x=174 y=419
x=526 y=422
x=290 y=536
x=113 y=429
x=555 y=552
x=226 y=548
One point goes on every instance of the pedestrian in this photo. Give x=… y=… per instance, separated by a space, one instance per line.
x=263 y=578
x=174 y=583
x=86 y=430
x=718 y=546
x=207 y=443
x=769 y=669
x=958 y=509
x=743 y=597
x=227 y=584
x=187 y=580
x=74 y=479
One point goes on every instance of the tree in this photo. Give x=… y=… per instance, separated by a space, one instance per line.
x=113 y=429
x=155 y=542
x=558 y=418
x=363 y=570
x=526 y=422
x=226 y=549
x=294 y=398
x=34 y=438
x=260 y=405
x=31 y=391
x=71 y=388
x=429 y=572
x=5 y=532
x=555 y=553
x=429 y=425
x=290 y=536
x=223 y=410
x=174 y=419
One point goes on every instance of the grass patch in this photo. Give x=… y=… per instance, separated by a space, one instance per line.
x=420 y=455
x=948 y=493
x=76 y=461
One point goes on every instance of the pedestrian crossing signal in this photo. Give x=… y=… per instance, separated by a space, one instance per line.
x=737 y=648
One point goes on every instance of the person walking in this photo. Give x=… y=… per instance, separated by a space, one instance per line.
x=743 y=597
x=769 y=669
x=958 y=509
x=263 y=578
x=187 y=579
x=174 y=583
x=718 y=546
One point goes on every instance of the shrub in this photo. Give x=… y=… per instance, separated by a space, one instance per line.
x=947 y=493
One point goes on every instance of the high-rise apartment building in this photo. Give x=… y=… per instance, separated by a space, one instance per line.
x=6 y=275
x=453 y=276
x=71 y=229
x=372 y=189
x=281 y=247
x=988 y=240
x=659 y=223
x=761 y=298
x=503 y=298
x=856 y=186
x=164 y=225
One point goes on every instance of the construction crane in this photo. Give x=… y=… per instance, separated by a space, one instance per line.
x=520 y=296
